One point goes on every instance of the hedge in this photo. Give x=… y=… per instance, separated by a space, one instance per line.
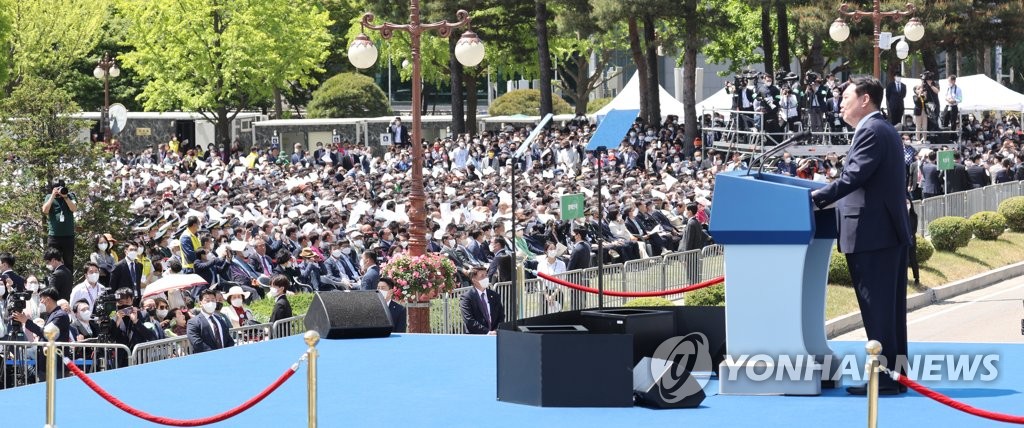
x=1012 y=210
x=988 y=225
x=925 y=250
x=949 y=233
x=525 y=102
x=707 y=296
x=643 y=302
x=838 y=269
x=349 y=95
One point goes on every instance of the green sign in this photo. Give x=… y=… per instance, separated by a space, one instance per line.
x=572 y=206
x=945 y=159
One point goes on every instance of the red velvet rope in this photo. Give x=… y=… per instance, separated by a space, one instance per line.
x=178 y=422
x=693 y=287
x=921 y=389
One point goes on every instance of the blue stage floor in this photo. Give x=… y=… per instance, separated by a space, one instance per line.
x=449 y=381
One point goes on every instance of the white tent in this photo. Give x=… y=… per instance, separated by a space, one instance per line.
x=980 y=93
x=721 y=101
x=629 y=99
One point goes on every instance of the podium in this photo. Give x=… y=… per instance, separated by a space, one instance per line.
x=777 y=249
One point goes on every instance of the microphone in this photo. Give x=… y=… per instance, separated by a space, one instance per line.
x=799 y=136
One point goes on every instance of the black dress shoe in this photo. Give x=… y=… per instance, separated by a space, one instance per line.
x=890 y=389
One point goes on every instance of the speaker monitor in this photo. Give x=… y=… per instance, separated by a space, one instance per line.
x=661 y=384
x=349 y=315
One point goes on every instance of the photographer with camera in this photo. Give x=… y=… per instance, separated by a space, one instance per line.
x=931 y=90
x=56 y=316
x=130 y=323
x=10 y=281
x=60 y=208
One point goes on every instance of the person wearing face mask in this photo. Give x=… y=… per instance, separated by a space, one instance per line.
x=236 y=312
x=481 y=307
x=278 y=292
x=371 y=272
x=90 y=289
x=550 y=264
x=386 y=288
x=207 y=331
x=84 y=327
x=60 y=275
x=103 y=256
x=128 y=273
x=56 y=316
x=9 y=280
x=339 y=266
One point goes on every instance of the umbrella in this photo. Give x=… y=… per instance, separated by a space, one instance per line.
x=173 y=282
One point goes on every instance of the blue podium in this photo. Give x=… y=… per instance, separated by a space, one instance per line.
x=777 y=249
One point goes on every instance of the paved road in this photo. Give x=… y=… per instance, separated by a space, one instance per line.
x=989 y=315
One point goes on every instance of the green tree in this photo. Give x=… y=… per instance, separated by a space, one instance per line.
x=349 y=95
x=219 y=57
x=41 y=144
x=48 y=36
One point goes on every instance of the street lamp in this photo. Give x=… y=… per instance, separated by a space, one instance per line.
x=469 y=51
x=913 y=31
x=106 y=69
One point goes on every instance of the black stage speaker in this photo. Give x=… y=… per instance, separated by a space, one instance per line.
x=349 y=315
x=666 y=385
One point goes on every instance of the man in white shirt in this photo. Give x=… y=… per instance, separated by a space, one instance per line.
x=90 y=289
x=951 y=117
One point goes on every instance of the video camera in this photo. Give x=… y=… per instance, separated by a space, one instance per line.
x=927 y=75
x=105 y=305
x=17 y=301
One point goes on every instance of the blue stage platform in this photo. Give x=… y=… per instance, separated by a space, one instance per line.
x=449 y=381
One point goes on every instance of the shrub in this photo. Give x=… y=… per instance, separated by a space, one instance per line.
x=525 y=102
x=949 y=233
x=643 y=302
x=1013 y=211
x=925 y=250
x=707 y=296
x=988 y=225
x=349 y=95
x=838 y=269
x=596 y=104
x=262 y=308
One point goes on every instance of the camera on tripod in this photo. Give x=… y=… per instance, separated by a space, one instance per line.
x=18 y=301
x=105 y=305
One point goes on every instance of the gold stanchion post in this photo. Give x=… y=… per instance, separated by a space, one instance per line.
x=520 y=284
x=874 y=348
x=50 y=332
x=312 y=338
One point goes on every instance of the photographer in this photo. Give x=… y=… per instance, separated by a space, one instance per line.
x=130 y=323
x=60 y=208
x=48 y=299
x=931 y=89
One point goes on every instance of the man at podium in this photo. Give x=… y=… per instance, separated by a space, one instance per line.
x=871 y=212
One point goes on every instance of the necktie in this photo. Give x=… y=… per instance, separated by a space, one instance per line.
x=266 y=266
x=131 y=272
x=487 y=310
x=216 y=330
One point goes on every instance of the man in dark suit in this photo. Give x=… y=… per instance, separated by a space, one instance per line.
x=48 y=301
x=931 y=181
x=206 y=331
x=371 y=272
x=693 y=239
x=60 y=275
x=127 y=273
x=399 y=133
x=873 y=224
x=260 y=261
x=475 y=246
x=279 y=292
x=956 y=178
x=398 y=316
x=579 y=258
x=8 y=278
x=502 y=265
x=481 y=307
x=130 y=329
x=977 y=173
x=895 y=92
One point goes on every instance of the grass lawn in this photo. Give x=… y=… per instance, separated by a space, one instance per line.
x=943 y=268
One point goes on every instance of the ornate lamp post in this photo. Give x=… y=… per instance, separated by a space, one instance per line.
x=363 y=53
x=914 y=30
x=106 y=69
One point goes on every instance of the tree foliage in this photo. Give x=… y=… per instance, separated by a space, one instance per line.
x=349 y=95
x=219 y=56
x=41 y=144
x=48 y=36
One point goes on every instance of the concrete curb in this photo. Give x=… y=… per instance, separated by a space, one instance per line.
x=846 y=323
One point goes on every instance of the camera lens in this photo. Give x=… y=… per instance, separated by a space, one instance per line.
x=64 y=191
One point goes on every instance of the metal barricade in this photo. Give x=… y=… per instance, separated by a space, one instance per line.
x=712 y=262
x=163 y=349
x=288 y=326
x=446 y=313
x=931 y=209
x=974 y=201
x=24 y=362
x=643 y=274
x=992 y=199
x=251 y=333
x=682 y=269
x=956 y=205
